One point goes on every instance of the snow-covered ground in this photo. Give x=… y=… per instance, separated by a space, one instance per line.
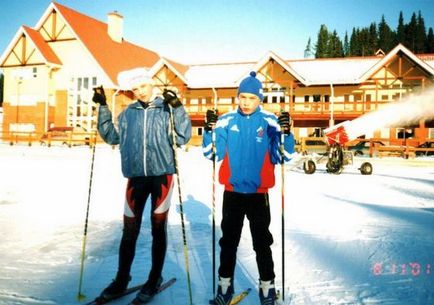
x=349 y=239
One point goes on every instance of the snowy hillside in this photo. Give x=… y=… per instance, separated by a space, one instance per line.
x=350 y=239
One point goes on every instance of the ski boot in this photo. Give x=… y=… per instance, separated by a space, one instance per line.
x=225 y=291
x=267 y=292
x=147 y=292
x=117 y=286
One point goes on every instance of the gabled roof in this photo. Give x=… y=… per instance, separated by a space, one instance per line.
x=395 y=51
x=38 y=41
x=177 y=68
x=42 y=46
x=310 y=72
x=113 y=57
x=272 y=56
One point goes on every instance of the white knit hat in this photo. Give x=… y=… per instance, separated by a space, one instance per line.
x=130 y=78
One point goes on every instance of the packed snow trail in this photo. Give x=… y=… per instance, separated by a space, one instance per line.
x=350 y=239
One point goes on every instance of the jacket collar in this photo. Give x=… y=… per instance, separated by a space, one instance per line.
x=156 y=103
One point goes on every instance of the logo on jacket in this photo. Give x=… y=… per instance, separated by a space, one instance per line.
x=259 y=134
x=235 y=128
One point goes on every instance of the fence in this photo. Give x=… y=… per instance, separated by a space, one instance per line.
x=67 y=138
x=370 y=147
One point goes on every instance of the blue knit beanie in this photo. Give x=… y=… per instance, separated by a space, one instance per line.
x=251 y=85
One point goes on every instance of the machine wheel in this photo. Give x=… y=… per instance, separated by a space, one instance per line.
x=309 y=167
x=333 y=167
x=366 y=168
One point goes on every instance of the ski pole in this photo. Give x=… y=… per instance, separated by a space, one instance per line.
x=282 y=152
x=213 y=198
x=181 y=209
x=80 y=295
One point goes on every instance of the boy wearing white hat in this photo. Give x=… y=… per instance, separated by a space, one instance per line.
x=247 y=140
x=144 y=135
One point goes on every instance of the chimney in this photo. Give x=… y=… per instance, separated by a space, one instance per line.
x=115 y=26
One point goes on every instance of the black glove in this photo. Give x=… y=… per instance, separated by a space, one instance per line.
x=211 y=119
x=99 y=96
x=284 y=121
x=171 y=98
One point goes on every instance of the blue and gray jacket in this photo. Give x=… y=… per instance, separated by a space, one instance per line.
x=249 y=146
x=145 y=136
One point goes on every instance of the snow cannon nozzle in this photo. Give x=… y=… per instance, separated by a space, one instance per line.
x=336 y=135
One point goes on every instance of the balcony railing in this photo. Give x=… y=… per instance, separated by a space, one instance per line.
x=319 y=108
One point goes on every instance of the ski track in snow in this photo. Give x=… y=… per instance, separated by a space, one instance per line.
x=339 y=230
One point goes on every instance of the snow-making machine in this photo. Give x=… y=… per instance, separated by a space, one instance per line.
x=336 y=157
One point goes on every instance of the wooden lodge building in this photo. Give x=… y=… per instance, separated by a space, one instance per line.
x=50 y=69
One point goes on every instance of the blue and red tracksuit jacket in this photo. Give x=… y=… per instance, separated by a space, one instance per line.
x=249 y=146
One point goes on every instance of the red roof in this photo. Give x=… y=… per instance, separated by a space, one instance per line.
x=42 y=46
x=113 y=57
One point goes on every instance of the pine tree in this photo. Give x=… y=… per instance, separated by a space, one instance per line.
x=354 y=43
x=335 y=48
x=366 y=41
x=372 y=39
x=430 y=41
x=385 y=36
x=308 y=50
x=363 y=41
x=346 y=45
x=322 y=42
x=400 y=30
x=410 y=30
x=420 y=35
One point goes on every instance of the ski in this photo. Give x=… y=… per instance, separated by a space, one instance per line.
x=237 y=298
x=163 y=287
x=101 y=301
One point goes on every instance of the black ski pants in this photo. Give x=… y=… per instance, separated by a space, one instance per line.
x=137 y=193
x=256 y=208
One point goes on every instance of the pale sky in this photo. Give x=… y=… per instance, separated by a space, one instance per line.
x=198 y=31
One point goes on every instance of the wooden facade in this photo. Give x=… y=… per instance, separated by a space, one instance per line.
x=50 y=71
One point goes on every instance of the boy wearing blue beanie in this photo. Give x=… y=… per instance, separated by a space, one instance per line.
x=247 y=140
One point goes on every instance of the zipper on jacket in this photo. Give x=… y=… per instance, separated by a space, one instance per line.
x=144 y=140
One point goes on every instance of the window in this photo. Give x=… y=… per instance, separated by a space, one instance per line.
x=306 y=98
x=357 y=97
x=81 y=110
x=326 y=98
x=404 y=133
x=317 y=97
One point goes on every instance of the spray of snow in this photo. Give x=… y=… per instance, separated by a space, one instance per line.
x=406 y=112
